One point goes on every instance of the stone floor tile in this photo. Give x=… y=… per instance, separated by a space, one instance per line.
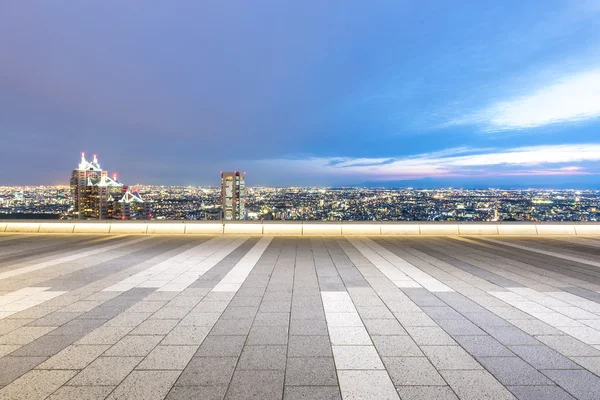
x=221 y=346
x=268 y=335
x=145 y=385
x=310 y=371
x=105 y=335
x=309 y=346
x=272 y=319
x=510 y=335
x=543 y=357
x=476 y=385
x=581 y=384
x=105 y=371
x=426 y=393
x=356 y=357
x=168 y=357
x=155 y=327
x=540 y=393
x=483 y=346
x=263 y=357
x=13 y=367
x=208 y=371
x=396 y=346
x=134 y=346
x=450 y=357
x=513 y=371
x=186 y=335
x=384 y=327
x=568 y=346
x=197 y=392
x=363 y=385
x=74 y=357
x=25 y=334
x=412 y=371
x=430 y=336
x=81 y=393
x=264 y=385
x=313 y=327
x=349 y=335
x=312 y=393
x=35 y=385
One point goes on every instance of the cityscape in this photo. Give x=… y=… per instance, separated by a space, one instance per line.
x=329 y=204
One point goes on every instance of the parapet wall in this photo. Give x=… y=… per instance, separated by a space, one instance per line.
x=298 y=228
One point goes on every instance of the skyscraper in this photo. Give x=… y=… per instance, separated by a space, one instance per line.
x=96 y=196
x=233 y=195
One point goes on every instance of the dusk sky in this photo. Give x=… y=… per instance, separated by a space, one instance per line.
x=302 y=92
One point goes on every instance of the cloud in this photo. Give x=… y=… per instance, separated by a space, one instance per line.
x=571 y=159
x=573 y=98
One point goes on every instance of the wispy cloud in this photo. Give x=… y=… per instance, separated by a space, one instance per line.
x=571 y=159
x=572 y=98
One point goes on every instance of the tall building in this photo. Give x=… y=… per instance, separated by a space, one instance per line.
x=96 y=196
x=233 y=195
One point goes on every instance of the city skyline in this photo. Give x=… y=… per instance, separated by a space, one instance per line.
x=337 y=94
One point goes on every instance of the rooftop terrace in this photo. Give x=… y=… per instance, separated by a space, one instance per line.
x=92 y=316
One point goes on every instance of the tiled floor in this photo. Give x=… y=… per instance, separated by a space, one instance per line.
x=231 y=317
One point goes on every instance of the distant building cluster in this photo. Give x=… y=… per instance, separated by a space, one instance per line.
x=97 y=196
x=94 y=195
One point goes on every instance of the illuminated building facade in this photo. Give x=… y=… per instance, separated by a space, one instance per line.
x=97 y=196
x=233 y=196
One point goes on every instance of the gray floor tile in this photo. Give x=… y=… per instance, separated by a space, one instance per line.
x=310 y=371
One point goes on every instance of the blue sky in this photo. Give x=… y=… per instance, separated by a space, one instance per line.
x=482 y=93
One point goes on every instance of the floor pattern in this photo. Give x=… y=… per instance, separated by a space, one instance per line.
x=233 y=317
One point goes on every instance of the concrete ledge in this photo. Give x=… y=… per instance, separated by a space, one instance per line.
x=556 y=229
x=478 y=229
x=439 y=229
x=361 y=229
x=583 y=229
x=243 y=229
x=25 y=227
x=91 y=228
x=56 y=228
x=517 y=229
x=299 y=228
x=400 y=229
x=283 y=229
x=131 y=228
x=166 y=229
x=204 y=229
x=322 y=229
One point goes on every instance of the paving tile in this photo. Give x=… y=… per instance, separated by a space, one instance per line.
x=6 y=349
x=356 y=357
x=309 y=346
x=540 y=392
x=312 y=392
x=221 y=346
x=36 y=384
x=412 y=371
x=543 y=357
x=513 y=371
x=310 y=371
x=483 y=346
x=25 y=334
x=312 y=327
x=510 y=335
x=460 y=327
x=384 y=327
x=579 y=383
x=145 y=385
x=186 y=335
x=155 y=327
x=450 y=357
x=207 y=371
x=13 y=367
x=197 y=392
x=74 y=357
x=81 y=393
x=362 y=385
x=105 y=371
x=476 y=385
x=430 y=336
x=426 y=393
x=349 y=335
x=134 y=346
x=263 y=358
x=168 y=357
x=45 y=346
x=272 y=319
x=256 y=385
x=396 y=346
x=105 y=335
x=268 y=335
x=568 y=346
x=232 y=327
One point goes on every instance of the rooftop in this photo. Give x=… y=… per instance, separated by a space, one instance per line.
x=298 y=317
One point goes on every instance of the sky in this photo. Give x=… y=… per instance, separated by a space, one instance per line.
x=318 y=93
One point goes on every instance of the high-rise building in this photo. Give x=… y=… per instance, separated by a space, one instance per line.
x=233 y=195
x=96 y=196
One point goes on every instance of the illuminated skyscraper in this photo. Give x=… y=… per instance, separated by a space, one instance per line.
x=96 y=196
x=233 y=195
